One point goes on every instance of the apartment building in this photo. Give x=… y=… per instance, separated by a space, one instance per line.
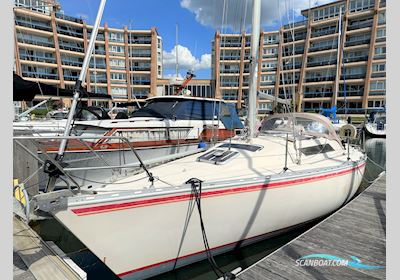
x=197 y=88
x=50 y=48
x=310 y=59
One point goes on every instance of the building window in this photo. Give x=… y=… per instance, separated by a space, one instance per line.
x=361 y=5
x=117 y=62
x=118 y=91
x=378 y=85
x=327 y=12
x=381 y=33
x=271 y=39
x=380 y=50
x=118 y=76
x=382 y=17
x=116 y=37
x=117 y=49
x=269 y=51
x=381 y=67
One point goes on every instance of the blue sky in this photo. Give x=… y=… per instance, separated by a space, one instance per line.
x=197 y=20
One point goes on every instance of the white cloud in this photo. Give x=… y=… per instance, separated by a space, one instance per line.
x=210 y=12
x=186 y=60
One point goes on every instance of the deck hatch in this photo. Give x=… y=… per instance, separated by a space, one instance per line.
x=251 y=148
x=218 y=156
x=316 y=149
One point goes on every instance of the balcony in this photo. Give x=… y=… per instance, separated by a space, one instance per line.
x=357 y=42
x=31 y=74
x=320 y=33
x=69 y=31
x=70 y=77
x=43 y=43
x=380 y=56
x=378 y=75
x=288 y=81
x=98 y=65
x=71 y=62
x=359 y=25
x=138 y=68
x=377 y=93
x=69 y=47
x=270 y=69
x=382 y=4
x=351 y=93
x=356 y=58
x=380 y=40
x=352 y=76
x=320 y=63
x=297 y=37
x=118 y=82
x=296 y=24
x=34 y=24
x=102 y=51
x=100 y=36
x=320 y=78
x=318 y=48
x=98 y=80
x=229 y=71
x=226 y=44
x=141 y=82
x=37 y=58
x=230 y=57
x=316 y=94
x=140 y=54
x=297 y=65
x=229 y=84
x=69 y=18
x=140 y=41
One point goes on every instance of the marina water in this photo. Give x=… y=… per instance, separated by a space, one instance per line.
x=51 y=230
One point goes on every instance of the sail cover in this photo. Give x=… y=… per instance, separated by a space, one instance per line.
x=24 y=90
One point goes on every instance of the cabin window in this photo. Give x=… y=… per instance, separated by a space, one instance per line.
x=319 y=149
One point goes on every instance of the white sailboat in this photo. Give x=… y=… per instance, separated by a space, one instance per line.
x=296 y=170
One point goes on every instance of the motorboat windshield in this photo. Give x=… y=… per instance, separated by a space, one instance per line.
x=178 y=108
x=304 y=124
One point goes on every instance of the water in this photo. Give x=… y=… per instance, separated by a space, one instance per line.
x=243 y=257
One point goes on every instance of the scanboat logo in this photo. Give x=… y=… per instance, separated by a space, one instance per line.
x=331 y=260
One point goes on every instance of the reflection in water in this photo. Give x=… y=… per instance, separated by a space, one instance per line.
x=243 y=257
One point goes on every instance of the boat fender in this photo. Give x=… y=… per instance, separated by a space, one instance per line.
x=348 y=131
x=202 y=145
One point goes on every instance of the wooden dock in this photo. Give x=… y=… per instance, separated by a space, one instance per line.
x=34 y=259
x=358 y=229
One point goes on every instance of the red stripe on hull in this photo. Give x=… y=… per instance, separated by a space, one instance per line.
x=265 y=235
x=171 y=199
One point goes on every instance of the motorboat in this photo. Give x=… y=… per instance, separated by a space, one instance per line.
x=140 y=227
x=165 y=126
x=376 y=125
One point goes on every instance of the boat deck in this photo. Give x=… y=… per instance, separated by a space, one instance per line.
x=265 y=162
x=358 y=229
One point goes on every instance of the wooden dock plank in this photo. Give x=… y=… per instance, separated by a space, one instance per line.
x=43 y=263
x=357 y=229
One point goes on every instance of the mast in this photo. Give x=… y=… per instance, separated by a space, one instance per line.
x=337 y=57
x=176 y=51
x=81 y=78
x=255 y=38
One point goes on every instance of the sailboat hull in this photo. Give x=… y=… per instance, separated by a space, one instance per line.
x=146 y=235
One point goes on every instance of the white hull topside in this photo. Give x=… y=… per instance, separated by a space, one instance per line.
x=137 y=231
